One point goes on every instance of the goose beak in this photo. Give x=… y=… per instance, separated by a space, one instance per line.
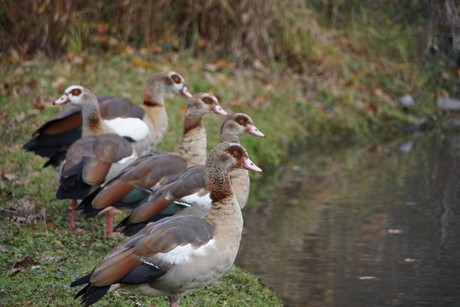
x=249 y=165
x=251 y=129
x=185 y=92
x=62 y=100
x=218 y=110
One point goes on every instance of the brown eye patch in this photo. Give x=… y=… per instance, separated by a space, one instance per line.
x=208 y=100
x=176 y=79
x=236 y=151
x=75 y=92
x=242 y=120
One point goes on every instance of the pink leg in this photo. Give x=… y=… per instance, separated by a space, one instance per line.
x=173 y=302
x=110 y=222
x=73 y=206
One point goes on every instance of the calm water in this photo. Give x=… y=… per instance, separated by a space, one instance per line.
x=360 y=226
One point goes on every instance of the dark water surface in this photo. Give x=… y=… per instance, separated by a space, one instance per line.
x=360 y=226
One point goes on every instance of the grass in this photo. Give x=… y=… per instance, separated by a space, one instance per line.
x=347 y=92
x=35 y=223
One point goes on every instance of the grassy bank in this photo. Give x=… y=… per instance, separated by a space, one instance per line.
x=35 y=223
x=344 y=84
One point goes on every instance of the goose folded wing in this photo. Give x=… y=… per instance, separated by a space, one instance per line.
x=189 y=182
x=153 y=251
x=143 y=174
x=90 y=158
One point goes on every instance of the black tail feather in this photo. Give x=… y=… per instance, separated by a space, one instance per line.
x=132 y=229
x=81 y=281
x=56 y=160
x=89 y=294
x=87 y=207
x=81 y=292
x=48 y=145
x=79 y=190
x=92 y=294
x=144 y=272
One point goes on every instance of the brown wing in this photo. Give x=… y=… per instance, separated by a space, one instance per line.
x=135 y=261
x=88 y=162
x=112 y=107
x=54 y=137
x=146 y=173
x=186 y=183
x=160 y=237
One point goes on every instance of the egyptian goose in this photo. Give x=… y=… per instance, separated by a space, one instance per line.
x=53 y=138
x=100 y=154
x=188 y=188
x=128 y=188
x=178 y=255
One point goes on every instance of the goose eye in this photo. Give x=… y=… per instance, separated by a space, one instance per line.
x=176 y=79
x=75 y=92
x=207 y=100
x=236 y=154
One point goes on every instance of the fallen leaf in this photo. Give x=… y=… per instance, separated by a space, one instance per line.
x=409 y=260
x=395 y=231
x=141 y=63
x=222 y=64
x=367 y=277
x=20 y=117
x=102 y=27
x=10 y=177
x=22 y=265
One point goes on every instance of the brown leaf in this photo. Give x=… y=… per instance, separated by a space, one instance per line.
x=409 y=260
x=21 y=266
x=141 y=63
x=20 y=117
x=367 y=277
x=10 y=177
x=102 y=27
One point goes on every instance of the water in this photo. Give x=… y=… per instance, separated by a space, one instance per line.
x=360 y=226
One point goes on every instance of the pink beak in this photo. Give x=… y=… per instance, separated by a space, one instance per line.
x=249 y=165
x=251 y=129
x=62 y=100
x=185 y=92
x=218 y=110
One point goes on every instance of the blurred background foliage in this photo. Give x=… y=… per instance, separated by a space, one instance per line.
x=348 y=57
x=287 y=31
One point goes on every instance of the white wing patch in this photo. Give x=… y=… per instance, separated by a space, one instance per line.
x=127 y=159
x=198 y=200
x=182 y=254
x=133 y=128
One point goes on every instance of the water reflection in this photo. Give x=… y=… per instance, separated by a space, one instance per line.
x=357 y=226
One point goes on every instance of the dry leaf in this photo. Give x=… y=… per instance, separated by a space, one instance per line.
x=409 y=260
x=141 y=63
x=22 y=265
x=10 y=177
x=38 y=103
x=222 y=64
x=102 y=27
x=367 y=277
x=20 y=117
x=395 y=231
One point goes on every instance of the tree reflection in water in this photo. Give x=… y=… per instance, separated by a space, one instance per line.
x=360 y=226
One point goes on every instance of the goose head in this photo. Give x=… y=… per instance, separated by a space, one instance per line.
x=204 y=103
x=77 y=95
x=239 y=123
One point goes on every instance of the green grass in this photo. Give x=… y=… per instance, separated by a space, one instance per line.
x=34 y=223
x=357 y=100
x=62 y=255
